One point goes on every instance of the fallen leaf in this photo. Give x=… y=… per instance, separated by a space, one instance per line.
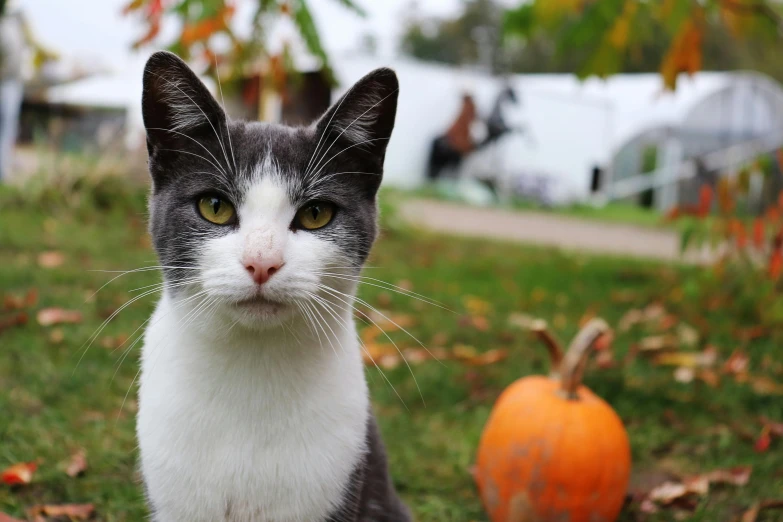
x=18 y=319
x=697 y=485
x=737 y=363
x=476 y=306
x=21 y=473
x=687 y=335
x=51 y=316
x=630 y=319
x=764 y=441
x=8 y=518
x=51 y=259
x=765 y=386
x=56 y=336
x=114 y=342
x=737 y=476
x=405 y=284
x=439 y=339
x=14 y=302
x=77 y=464
x=73 y=511
x=751 y=515
x=658 y=343
x=486 y=358
x=684 y=374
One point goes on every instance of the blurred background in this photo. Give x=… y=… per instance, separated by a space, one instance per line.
x=557 y=160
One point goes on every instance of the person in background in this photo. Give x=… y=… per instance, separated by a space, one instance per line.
x=16 y=41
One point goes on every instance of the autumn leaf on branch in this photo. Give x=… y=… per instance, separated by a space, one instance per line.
x=202 y=20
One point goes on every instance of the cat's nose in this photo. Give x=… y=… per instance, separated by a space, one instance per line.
x=262 y=269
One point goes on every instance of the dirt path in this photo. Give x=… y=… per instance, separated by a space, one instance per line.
x=547 y=229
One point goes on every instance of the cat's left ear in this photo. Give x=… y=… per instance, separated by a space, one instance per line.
x=363 y=118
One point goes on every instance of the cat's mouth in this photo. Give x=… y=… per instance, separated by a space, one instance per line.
x=260 y=303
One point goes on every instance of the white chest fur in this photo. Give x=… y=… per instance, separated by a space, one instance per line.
x=259 y=427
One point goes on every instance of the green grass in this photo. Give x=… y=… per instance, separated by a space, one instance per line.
x=51 y=404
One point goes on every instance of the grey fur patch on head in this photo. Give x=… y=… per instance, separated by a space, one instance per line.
x=194 y=149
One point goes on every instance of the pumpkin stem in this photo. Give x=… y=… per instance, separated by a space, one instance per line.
x=539 y=327
x=575 y=360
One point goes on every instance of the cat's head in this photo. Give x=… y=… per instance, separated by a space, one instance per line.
x=256 y=216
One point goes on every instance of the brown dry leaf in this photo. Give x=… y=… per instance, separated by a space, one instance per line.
x=77 y=464
x=72 y=511
x=737 y=476
x=56 y=336
x=478 y=322
x=709 y=377
x=476 y=306
x=8 y=518
x=384 y=299
x=687 y=335
x=751 y=515
x=114 y=342
x=486 y=358
x=737 y=363
x=51 y=259
x=405 y=284
x=658 y=343
x=18 y=319
x=439 y=339
x=697 y=485
x=630 y=319
x=14 y=302
x=765 y=386
x=51 y=316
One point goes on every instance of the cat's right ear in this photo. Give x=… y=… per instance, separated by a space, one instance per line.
x=177 y=107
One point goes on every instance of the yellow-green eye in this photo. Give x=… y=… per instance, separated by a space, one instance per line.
x=216 y=210
x=315 y=214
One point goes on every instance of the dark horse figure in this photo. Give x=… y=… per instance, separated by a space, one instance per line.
x=449 y=150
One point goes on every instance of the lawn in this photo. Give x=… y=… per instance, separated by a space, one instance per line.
x=55 y=402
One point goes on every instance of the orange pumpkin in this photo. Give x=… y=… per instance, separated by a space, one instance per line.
x=552 y=450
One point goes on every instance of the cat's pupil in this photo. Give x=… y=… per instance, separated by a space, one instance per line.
x=314 y=211
x=215 y=205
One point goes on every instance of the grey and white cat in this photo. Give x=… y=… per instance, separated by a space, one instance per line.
x=253 y=404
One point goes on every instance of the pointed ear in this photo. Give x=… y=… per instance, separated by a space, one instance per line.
x=364 y=116
x=177 y=107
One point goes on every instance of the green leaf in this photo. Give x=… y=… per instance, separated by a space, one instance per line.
x=519 y=21
x=353 y=6
x=307 y=28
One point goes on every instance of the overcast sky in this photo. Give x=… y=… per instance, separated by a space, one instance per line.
x=90 y=29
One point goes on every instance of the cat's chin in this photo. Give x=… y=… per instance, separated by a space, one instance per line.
x=260 y=313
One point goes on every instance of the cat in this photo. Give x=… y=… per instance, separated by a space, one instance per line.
x=253 y=403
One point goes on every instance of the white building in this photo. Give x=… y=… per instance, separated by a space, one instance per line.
x=626 y=125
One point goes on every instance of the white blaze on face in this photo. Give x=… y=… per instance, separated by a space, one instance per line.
x=264 y=235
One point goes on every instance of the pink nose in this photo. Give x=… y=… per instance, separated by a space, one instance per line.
x=262 y=269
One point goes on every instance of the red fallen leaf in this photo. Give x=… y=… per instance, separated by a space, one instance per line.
x=15 y=320
x=21 y=473
x=12 y=302
x=50 y=316
x=51 y=259
x=78 y=464
x=8 y=518
x=698 y=485
x=737 y=363
x=764 y=441
x=73 y=511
